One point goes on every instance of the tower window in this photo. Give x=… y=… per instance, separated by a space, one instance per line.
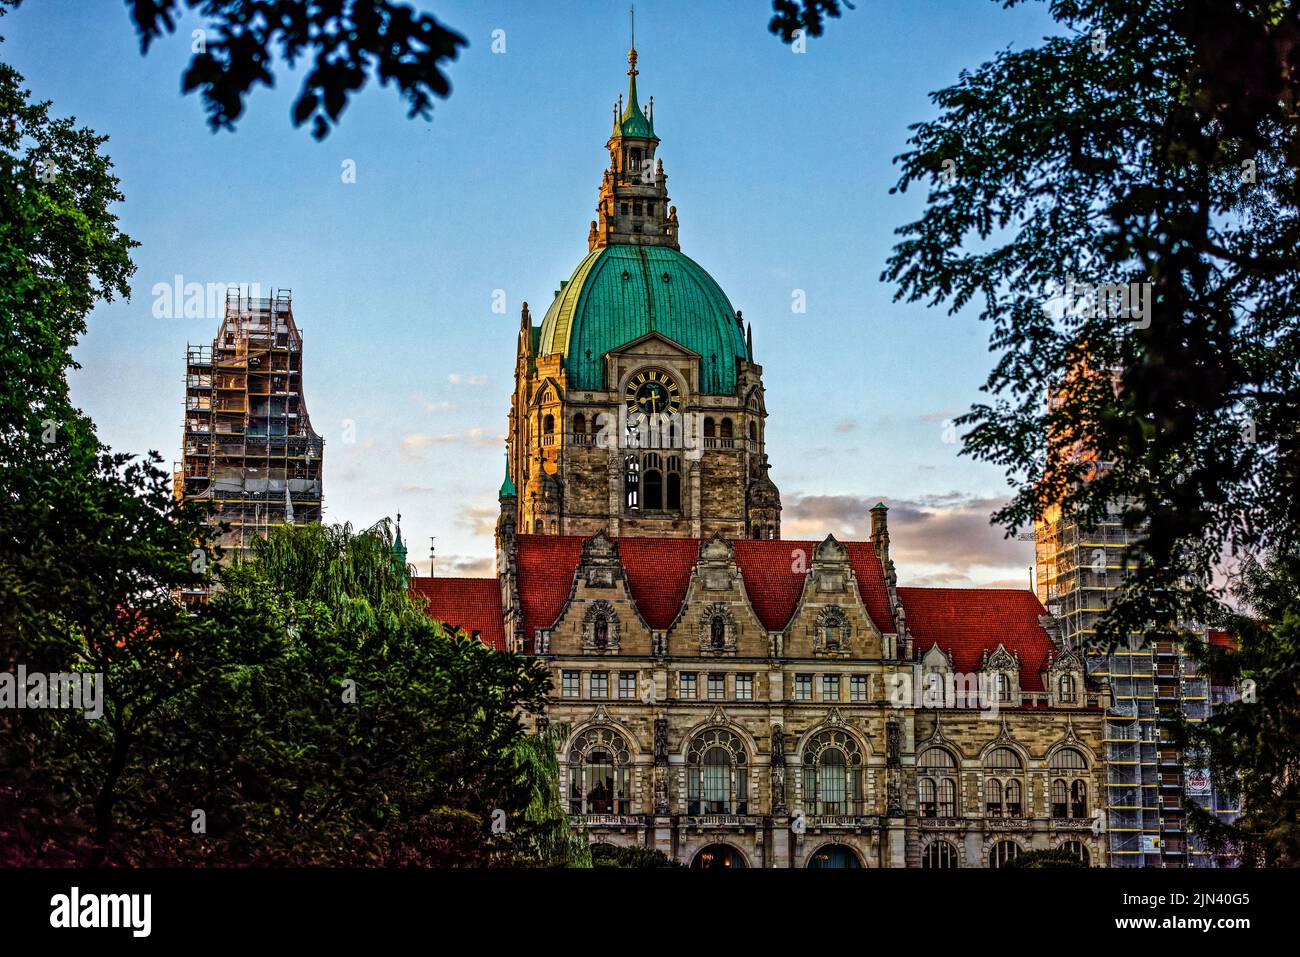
x=674 y=502
x=548 y=425
x=579 y=423
x=649 y=209
x=753 y=431
x=634 y=159
x=632 y=483
x=710 y=430
x=726 y=432
x=654 y=490
x=622 y=208
x=636 y=209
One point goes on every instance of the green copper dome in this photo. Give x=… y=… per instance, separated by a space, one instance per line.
x=620 y=293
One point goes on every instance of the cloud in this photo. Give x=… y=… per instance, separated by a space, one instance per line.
x=459 y=378
x=430 y=407
x=474 y=436
x=482 y=519
x=946 y=539
x=461 y=566
x=845 y=425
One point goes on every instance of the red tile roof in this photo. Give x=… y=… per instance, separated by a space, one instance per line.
x=547 y=564
x=965 y=621
x=774 y=585
x=473 y=604
x=658 y=573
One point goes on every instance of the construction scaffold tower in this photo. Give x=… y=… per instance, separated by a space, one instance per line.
x=249 y=447
x=1080 y=574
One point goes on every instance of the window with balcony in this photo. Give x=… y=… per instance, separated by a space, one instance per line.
x=937 y=783
x=832 y=774
x=717 y=774
x=599 y=774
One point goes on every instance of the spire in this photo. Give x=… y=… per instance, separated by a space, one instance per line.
x=399 y=550
x=508 y=486
x=633 y=121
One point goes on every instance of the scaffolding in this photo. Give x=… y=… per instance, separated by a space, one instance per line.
x=1080 y=573
x=248 y=446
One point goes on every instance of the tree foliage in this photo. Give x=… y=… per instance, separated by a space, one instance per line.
x=1151 y=143
x=1252 y=744
x=347 y=42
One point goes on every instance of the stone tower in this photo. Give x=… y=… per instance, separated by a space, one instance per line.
x=638 y=407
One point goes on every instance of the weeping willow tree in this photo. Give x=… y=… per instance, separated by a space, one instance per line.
x=545 y=837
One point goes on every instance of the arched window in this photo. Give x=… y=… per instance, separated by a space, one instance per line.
x=1079 y=850
x=718 y=632
x=938 y=779
x=1004 y=852
x=832 y=776
x=1002 y=759
x=632 y=483
x=1070 y=791
x=940 y=855
x=726 y=430
x=753 y=431
x=1067 y=686
x=1060 y=798
x=1002 y=788
x=634 y=159
x=1015 y=804
x=717 y=778
x=709 y=428
x=579 y=423
x=653 y=486
x=993 y=797
x=599 y=773
x=548 y=425
x=674 y=499
x=1068 y=759
x=1078 y=798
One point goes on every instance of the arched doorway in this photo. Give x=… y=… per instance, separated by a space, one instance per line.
x=718 y=857
x=834 y=857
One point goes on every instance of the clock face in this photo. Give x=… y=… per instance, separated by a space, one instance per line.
x=652 y=393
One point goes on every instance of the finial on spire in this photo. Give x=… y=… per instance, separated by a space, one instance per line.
x=631 y=27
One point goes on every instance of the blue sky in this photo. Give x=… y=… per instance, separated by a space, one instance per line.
x=779 y=164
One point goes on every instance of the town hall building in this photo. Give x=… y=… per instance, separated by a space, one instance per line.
x=733 y=698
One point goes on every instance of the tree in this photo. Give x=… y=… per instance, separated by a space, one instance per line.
x=1122 y=203
x=1252 y=744
x=635 y=856
x=92 y=544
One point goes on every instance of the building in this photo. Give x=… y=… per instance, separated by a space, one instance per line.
x=1080 y=573
x=732 y=698
x=248 y=446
